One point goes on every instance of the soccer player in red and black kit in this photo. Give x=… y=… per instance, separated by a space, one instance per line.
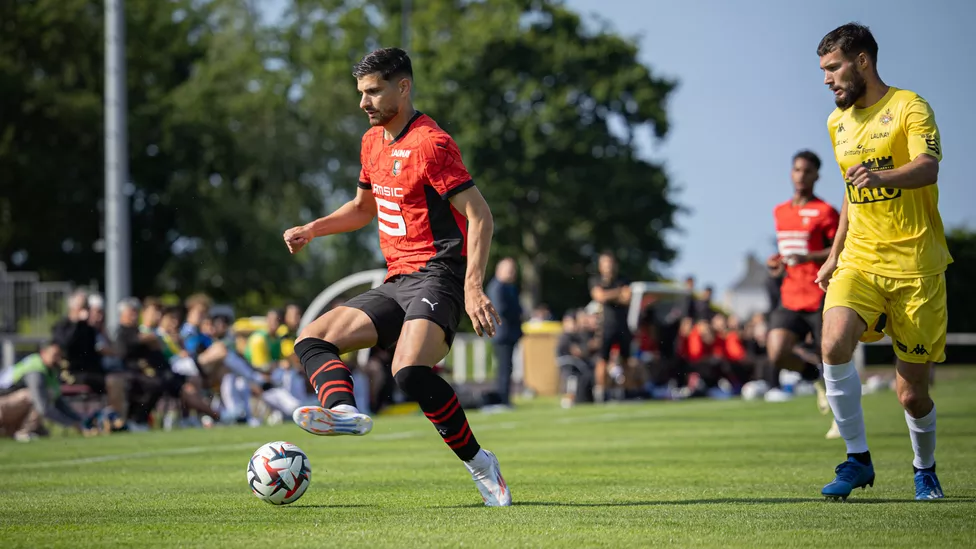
x=435 y=231
x=805 y=230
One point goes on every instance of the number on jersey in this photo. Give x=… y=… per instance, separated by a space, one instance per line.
x=390 y=223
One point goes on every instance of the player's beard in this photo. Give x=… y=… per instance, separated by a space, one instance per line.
x=852 y=91
x=380 y=117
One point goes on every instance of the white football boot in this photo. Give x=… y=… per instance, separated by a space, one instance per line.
x=341 y=420
x=488 y=478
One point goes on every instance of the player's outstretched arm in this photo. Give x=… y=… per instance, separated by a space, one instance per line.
x=481 y=225
x=351 y=216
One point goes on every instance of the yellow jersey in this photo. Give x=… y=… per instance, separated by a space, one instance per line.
x=895 y=233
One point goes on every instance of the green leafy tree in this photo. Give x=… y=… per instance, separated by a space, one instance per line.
x=545 y=112
x=960 y=277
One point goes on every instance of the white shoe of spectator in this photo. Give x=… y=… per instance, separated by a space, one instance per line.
x=275 y=418
x=253 y=422
x=22 y=436
x=777 y=395
x=804 y=388
x=754 y=390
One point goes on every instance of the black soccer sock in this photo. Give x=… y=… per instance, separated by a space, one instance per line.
x=330 y=377
x=863 y=458
x=440 y=404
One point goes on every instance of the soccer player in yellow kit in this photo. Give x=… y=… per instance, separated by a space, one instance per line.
x=885 y=272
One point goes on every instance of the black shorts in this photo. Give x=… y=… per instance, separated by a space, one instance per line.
x=800 y=323
x=621 y=337
x=431 y=295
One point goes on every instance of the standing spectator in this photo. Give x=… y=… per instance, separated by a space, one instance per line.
x=611 y=291
x=702 y=306
x=32 y=393
x=503 y=292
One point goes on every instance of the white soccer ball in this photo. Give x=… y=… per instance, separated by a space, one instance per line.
x=279 y=473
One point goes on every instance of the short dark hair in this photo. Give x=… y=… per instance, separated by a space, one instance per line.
x=389 y=62
x=851 y=39
x=172 y=311
x=809 y=156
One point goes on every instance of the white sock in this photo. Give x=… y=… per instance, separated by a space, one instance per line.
x=480 y=461
x=281 y=400
x=844 y=394
x=922 y=431
x=348 y=408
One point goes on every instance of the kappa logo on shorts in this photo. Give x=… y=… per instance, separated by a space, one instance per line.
x=425 y=300
x=919 y=350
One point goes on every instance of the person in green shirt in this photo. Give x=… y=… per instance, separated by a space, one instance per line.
x=31 y=392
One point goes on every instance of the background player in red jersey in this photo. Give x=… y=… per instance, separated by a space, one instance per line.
x=435 y=230
x=805 y=230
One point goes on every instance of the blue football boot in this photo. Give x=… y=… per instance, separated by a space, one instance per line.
x=851 y=474
x=927 y=485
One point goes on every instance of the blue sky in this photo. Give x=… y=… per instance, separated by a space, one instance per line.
x=751 y=94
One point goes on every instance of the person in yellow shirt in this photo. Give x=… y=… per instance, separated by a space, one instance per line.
x=885 y=271
x=264 y=346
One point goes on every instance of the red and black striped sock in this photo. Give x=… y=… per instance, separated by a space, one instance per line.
x=440 y=404
x=331 y=378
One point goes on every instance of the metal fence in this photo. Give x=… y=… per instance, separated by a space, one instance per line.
x=29 y=306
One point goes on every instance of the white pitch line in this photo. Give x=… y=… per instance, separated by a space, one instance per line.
x=138 y=455
x=179 y=452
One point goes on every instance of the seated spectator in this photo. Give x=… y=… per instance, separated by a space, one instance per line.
x=31 y=393
x=148 y=375
x=706 y=357
x=574 y=356
x=182 y=364
x=732 y=352
x=241 y=380
x=115 y=380
x=77 y=339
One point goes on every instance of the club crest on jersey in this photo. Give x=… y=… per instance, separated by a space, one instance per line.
x=397 y=167
x=886 y=117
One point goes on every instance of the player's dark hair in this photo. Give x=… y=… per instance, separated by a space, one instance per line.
x=389 y=62
x=173 y=311
x=851 y=39
x=810 y=157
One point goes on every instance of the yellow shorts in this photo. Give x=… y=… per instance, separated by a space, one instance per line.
x=912 y=311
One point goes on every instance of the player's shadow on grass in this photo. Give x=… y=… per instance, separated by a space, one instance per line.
x=716 y=501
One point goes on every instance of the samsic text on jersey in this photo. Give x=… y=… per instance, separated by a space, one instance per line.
x=802 y=230
x=896 y=233
x=412 y=178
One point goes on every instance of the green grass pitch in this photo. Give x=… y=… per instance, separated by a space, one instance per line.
x=698 y=473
